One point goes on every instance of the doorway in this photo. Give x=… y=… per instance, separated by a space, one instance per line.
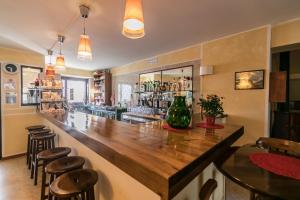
x=285 y=93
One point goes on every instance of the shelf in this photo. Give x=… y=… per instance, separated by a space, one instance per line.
x=51 y=88
x=52 y=101
x=164 y=91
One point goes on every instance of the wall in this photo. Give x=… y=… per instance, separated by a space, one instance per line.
x=174 y=57
x=77 y=72
x=14 y=136
x=295 y=75
x=286 y=33
x=129 y=74
x=16 y=117
x=240 y=52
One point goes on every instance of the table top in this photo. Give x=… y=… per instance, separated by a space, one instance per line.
x=163 y=160
x=241 y=170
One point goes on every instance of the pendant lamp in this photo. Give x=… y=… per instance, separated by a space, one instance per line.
x=49 y=66
x=133 y=24
x=84 y=48
x=60 y=59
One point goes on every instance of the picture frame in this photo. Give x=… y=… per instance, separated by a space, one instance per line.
x=249 y=80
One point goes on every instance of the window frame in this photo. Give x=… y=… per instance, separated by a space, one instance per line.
x=22 y=67
x=66 y=78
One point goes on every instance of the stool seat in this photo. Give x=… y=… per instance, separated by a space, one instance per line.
x=65 y=164
x=53 y=153
x=39 y=131
x=34 y=127
x=74 y=182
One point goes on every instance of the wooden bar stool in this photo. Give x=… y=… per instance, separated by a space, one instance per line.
x=39 y=143
x=29 y=144
x=29 y=129
x=46 y=157
x=59 y=167
x=74 y=184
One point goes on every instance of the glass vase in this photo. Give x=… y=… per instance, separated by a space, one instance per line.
x=178 y=115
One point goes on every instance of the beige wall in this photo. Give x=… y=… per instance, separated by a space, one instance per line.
x=244 y=51
x=16 y=117
x=77 y=72
x=170 y=58
x=286 y=33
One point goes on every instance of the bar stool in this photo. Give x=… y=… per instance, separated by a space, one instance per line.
x=29 y=143
x=39 y=143
x=75 y=183
x=46 y=157
x=59 y=167
x=29 y=129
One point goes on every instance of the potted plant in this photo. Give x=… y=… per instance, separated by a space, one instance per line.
x=211 y=106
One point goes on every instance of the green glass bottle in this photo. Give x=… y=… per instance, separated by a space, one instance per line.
x=178 y=115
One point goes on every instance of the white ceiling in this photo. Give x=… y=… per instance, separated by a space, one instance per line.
x=169 y=24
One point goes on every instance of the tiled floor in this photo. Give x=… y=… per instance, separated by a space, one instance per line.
x=15 y=183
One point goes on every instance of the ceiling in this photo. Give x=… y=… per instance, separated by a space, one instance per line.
x=169 y=25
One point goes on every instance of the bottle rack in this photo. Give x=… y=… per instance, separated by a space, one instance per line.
x=51 y=94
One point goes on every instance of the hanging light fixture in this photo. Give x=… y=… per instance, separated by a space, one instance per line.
x=133 y=25
x=84 y=48
x=60 y=59
x=49 y=66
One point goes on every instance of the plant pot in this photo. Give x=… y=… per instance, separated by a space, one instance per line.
x=178 y=115
x=210 y=120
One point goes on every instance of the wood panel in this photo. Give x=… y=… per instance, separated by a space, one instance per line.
x=278 y=86
x=164 y=161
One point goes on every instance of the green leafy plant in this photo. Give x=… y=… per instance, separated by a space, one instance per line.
x=212 y=105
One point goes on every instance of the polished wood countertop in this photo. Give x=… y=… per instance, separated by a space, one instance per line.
x=162 y=160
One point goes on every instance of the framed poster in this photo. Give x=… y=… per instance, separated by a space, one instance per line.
x=9 y=84
x=249 y=80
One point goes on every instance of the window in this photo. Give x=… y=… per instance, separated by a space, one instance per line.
x=124 y=92
x=75 y=89
x=29 y=84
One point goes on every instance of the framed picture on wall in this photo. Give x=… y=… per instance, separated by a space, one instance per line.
x=249 y=80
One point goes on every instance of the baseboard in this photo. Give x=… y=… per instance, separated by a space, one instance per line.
x=13 y=156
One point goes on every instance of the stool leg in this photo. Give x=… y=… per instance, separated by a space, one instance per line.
x=53 y=143
x=83 y=196
x=30 y=154
x=27 y=153
x=43 y=181
x=32 y=160
x=92 y=193
x=50 y=181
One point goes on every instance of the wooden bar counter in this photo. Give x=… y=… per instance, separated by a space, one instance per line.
x=164 y=161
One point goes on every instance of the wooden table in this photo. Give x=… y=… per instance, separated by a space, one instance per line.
x=162 y=160
x=241 y=170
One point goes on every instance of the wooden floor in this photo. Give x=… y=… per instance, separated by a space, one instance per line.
x=15 y=183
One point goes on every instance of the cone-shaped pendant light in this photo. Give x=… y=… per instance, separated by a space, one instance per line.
x=133 y=25
x=84 y=48
x=60 y=59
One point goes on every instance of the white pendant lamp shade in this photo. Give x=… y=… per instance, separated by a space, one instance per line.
x=133 y=25
x=60 y=59
x=60 y=63
x=84 y=48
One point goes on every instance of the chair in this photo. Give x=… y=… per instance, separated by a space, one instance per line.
x=207 y=189
x=59 y=167
x=39 y=143
x=279 y=145
x=74 y=184
x=29 y=129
